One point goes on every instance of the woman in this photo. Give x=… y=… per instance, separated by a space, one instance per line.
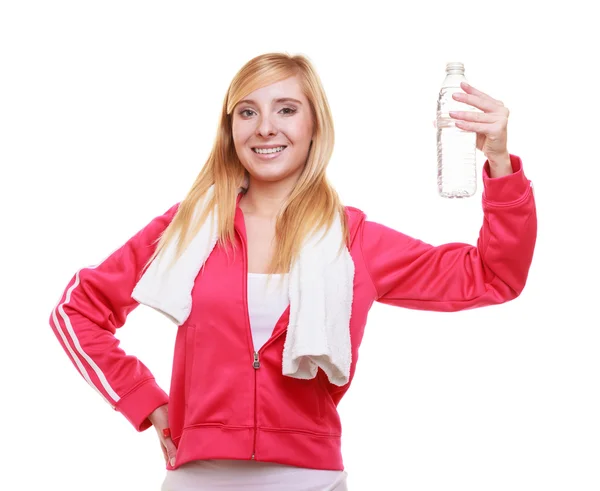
x=259 y=365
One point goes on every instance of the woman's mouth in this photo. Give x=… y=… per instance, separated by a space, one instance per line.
x=269 y=153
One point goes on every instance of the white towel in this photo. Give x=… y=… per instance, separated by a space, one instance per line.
x=321 y=285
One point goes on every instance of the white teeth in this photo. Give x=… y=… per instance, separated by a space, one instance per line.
x=268 y=150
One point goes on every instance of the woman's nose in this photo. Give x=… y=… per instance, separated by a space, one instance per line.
x=266 y=127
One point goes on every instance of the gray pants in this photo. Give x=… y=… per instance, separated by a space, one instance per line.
x=182 y=480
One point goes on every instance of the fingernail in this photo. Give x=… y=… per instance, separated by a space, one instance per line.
x=172 y=461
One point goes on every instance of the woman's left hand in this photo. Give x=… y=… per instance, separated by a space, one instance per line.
x=490 y=125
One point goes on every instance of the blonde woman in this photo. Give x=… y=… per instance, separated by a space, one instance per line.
x=269 y=279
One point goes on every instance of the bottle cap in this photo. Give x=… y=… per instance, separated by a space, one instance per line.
x=455 y=66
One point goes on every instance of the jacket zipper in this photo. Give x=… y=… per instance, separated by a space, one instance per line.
x=256 y=366
x=255 y=354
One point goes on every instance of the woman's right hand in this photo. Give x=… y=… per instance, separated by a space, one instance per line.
x=160 y=420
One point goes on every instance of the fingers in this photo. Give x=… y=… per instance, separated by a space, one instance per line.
x=487 y=124
x=161 y=439
x=493 y=118
x=171 y=450
x=469 y=89
x=164 y=451
x=167 y=446
x=473 y=116
x=480 y=100
x=482 y=128
x=486 y=105
x=472 y=90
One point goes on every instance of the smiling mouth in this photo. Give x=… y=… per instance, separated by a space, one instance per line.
x=269 y=151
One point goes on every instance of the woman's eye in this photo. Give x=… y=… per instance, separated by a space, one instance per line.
x=286 y=111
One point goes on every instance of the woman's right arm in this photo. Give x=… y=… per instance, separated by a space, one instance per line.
x=94 y=304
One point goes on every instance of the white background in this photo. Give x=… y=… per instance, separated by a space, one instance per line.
x=109 y=110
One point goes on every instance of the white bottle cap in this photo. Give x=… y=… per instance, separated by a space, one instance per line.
x=455 y=66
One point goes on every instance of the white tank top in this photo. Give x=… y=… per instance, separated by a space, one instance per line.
x=266 y=303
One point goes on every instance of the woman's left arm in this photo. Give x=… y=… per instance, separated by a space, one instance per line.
x=410 y=273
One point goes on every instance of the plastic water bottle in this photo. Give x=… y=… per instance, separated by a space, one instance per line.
x=456 y=148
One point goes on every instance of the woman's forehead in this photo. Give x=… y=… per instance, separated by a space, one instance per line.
x=289 y=87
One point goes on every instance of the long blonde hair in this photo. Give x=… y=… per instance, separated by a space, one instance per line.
x=312 y=204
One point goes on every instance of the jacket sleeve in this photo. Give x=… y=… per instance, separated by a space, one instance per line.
x=94 y=304
x=410 y=273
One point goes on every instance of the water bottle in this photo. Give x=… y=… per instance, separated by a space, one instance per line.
x=456 y=157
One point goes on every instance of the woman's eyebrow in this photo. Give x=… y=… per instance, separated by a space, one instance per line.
x=281 y=99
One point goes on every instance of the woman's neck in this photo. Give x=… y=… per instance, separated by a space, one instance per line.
x=264 y=199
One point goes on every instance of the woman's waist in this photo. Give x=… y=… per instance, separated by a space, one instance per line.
x=248 y=474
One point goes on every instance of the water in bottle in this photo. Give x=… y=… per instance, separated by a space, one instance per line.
x=456 y=148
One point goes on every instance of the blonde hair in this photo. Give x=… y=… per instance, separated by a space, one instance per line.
x=312 y=204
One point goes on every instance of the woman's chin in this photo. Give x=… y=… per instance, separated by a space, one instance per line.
x=273 y=175
x=267 y=177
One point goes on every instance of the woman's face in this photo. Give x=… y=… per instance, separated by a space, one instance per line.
x=277 y=115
